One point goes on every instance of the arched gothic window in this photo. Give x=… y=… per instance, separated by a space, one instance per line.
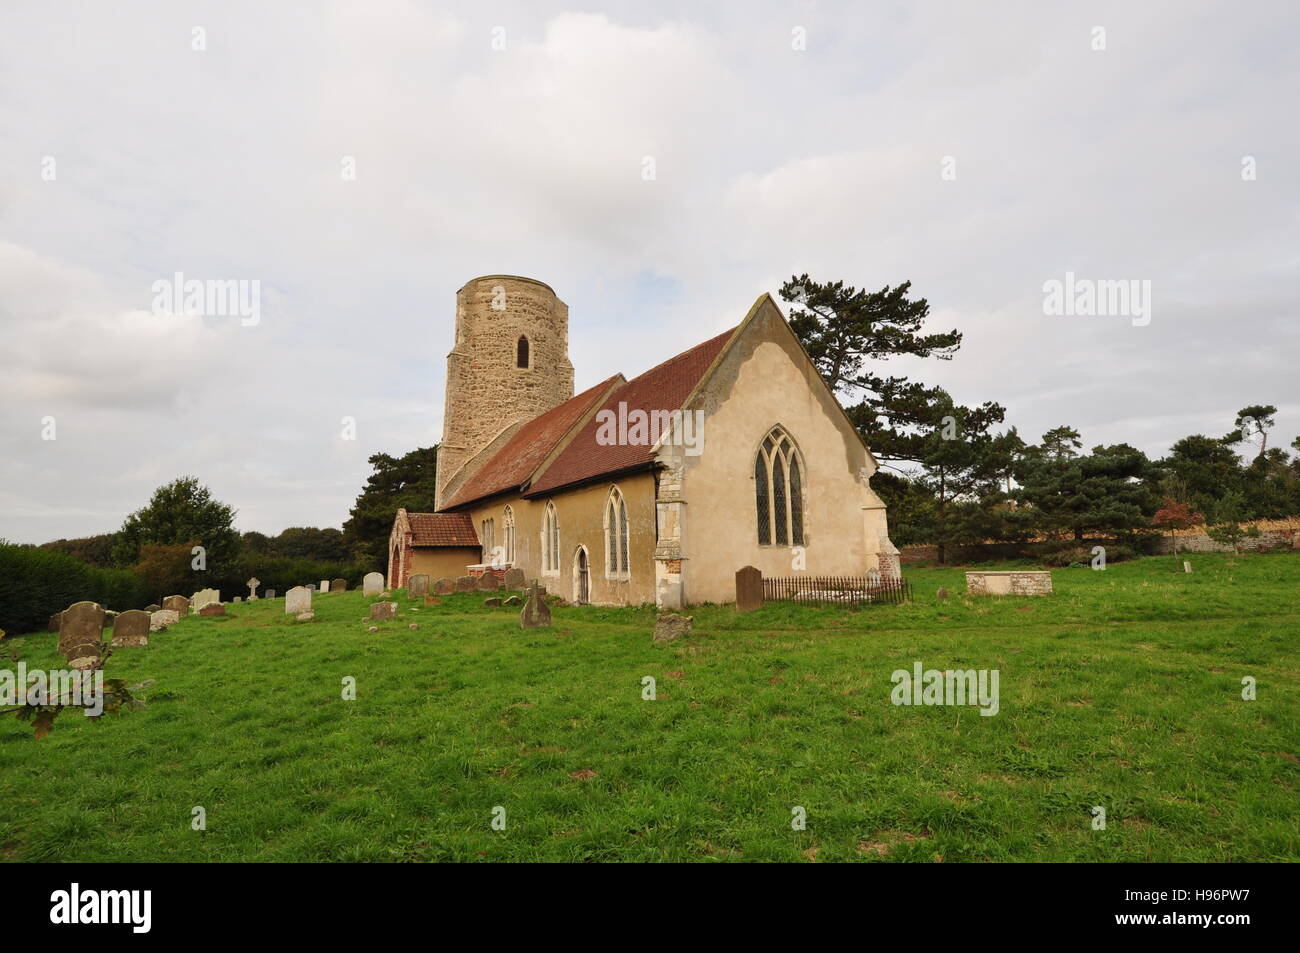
x=616 y=534
x=550 y=540
x=778 y=490
x=508 y=525
x=521 y=352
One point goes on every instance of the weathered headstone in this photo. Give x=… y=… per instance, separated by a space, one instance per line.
x=488 y=582
x=81 y=634
x=536 y=613
x=162 y=618
x=131 y=629
x=324 y=586
x=296 y=600
x=417 y=586
x=55 y=621
x=338 y=585
x=383 y=610
x=311 y=587
x=373 y=583
x=445 y=586
x=203 y=597
x=515 y=578
x=670 y=626
x=492 y=601
x=237 y=599
x=178 y=604
x=1187 y=567
x=252 y=585
x=152 y=608
x=749 y=590
x=465 y=583
x=213 y=608
x=270 y=594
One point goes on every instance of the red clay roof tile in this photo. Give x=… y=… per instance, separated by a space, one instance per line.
x=664 y=387
x=510 y=466
x=442 y=529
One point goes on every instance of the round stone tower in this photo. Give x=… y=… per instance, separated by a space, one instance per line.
x=510 y=363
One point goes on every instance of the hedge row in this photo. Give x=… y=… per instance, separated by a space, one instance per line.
x=36 y=583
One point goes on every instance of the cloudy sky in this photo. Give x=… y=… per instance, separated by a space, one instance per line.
x=511 y=138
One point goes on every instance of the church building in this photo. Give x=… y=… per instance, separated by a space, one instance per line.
x=650 y=490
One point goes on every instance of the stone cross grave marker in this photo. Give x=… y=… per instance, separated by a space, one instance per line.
x=252 y=585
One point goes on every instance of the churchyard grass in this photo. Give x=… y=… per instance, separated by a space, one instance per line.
x=1121 y=690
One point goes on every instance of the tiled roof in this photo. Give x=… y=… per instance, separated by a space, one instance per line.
x=442 y=529
x=664 y=387
x=510 y=466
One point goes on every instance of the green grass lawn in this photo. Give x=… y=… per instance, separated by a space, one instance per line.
x=1121 y=690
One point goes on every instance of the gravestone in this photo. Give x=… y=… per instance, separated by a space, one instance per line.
x=445 y=586
x=373 y=583
x=213 y=608
x=536 y=613
x=81 y=634
x=162 y=618
x=492 y=601
x=311 y=587
x=1187 y=567
x=55 y=621
x=515 y=578
x=324 y=586
x=152 y=608
x=488 y=582
x=670 y=626
x=465 y=583
x=296 y=600
x=417 y=587
x=203 y=597
x=131 y=629
x=338 y=585
x=178 y=604
x=383 y=610
x=749 y=590
x=270 y=594
x=305 y=616
x=237 y=599
x=252 y=585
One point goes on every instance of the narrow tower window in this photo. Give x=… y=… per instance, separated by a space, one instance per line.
x=521 y=352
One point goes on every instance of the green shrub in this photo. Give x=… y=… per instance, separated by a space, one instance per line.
x=36 y=583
